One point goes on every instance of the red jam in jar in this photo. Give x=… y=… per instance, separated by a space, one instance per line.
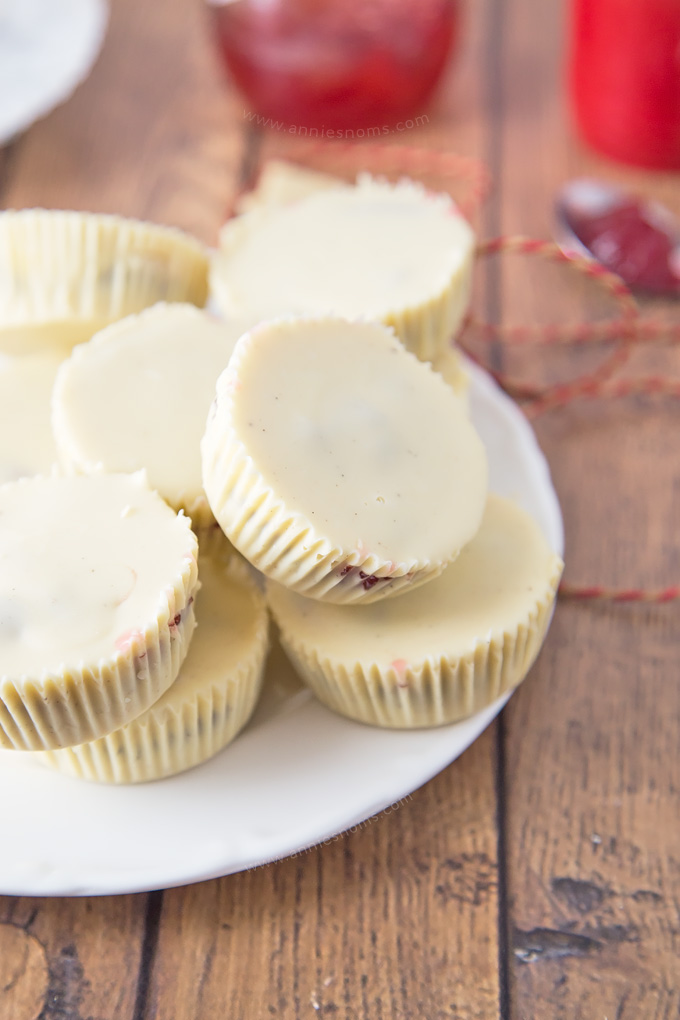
x=349 y=68
x=630 y=239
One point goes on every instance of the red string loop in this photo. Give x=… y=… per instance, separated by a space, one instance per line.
x=627 y=331
x=623 y=328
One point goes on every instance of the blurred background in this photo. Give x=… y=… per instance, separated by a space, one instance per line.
x=195 y=88
x=186 y=100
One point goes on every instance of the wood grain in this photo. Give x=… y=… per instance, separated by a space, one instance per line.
x=592 y=771
x=397 y=919
x=69 y=959
x=24 y=973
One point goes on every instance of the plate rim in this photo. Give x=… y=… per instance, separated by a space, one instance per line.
x=184 y=871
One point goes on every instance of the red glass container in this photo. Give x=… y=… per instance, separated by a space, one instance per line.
x=625 y=79
x=345 y=67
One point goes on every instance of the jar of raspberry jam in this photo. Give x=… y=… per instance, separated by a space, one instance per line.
x=625 y=79
x=335 y=68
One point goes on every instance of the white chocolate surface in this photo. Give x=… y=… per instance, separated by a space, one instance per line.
x=366 y=251
x=281 y=183
x=84 y=564
x=354 y=433
x=493 y=586
x=26 y=443
x=137 y=396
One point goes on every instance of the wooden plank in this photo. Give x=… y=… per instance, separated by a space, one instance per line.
x=398 y=919
x=70 y=958
x=592 y=771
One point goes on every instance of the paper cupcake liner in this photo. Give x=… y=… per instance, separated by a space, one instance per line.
x=451 y=367
x=281 y=182
x=282 y=543
x=213 y=543
x=434 y=692
x=57 y=266
x=86 y=702
x=175 y=738
x=234 y=232
x=425 y=328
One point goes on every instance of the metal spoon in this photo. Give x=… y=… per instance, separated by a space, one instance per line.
x=635 y=237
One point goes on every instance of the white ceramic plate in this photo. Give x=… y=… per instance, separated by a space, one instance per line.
x=298 y=774
x=47 y=48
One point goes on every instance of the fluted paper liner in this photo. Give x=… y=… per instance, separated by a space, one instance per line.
x=232 y=235
x=281 y=182
x=451 y=367
x=283 y=543
x=425 y=328
x=61 y=708
x=58 y=266
x=436 y=692
x=286 y=547
x=182 y=731
x=432 y=690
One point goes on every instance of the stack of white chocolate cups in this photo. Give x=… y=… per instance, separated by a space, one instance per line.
x=346 y=470
x=102 y=668
x=338 y=459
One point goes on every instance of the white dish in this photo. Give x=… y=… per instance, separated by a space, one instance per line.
x=297 y=776
x=46 y=50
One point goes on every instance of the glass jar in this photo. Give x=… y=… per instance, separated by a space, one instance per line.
x=335 y=65
x=625 y=79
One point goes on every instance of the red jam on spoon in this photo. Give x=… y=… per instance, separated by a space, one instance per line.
x=635 y=238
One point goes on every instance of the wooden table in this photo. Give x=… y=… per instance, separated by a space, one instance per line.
x=539 y=875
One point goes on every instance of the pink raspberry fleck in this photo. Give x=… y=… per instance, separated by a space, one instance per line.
x=126 y=640
x=400 y=666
